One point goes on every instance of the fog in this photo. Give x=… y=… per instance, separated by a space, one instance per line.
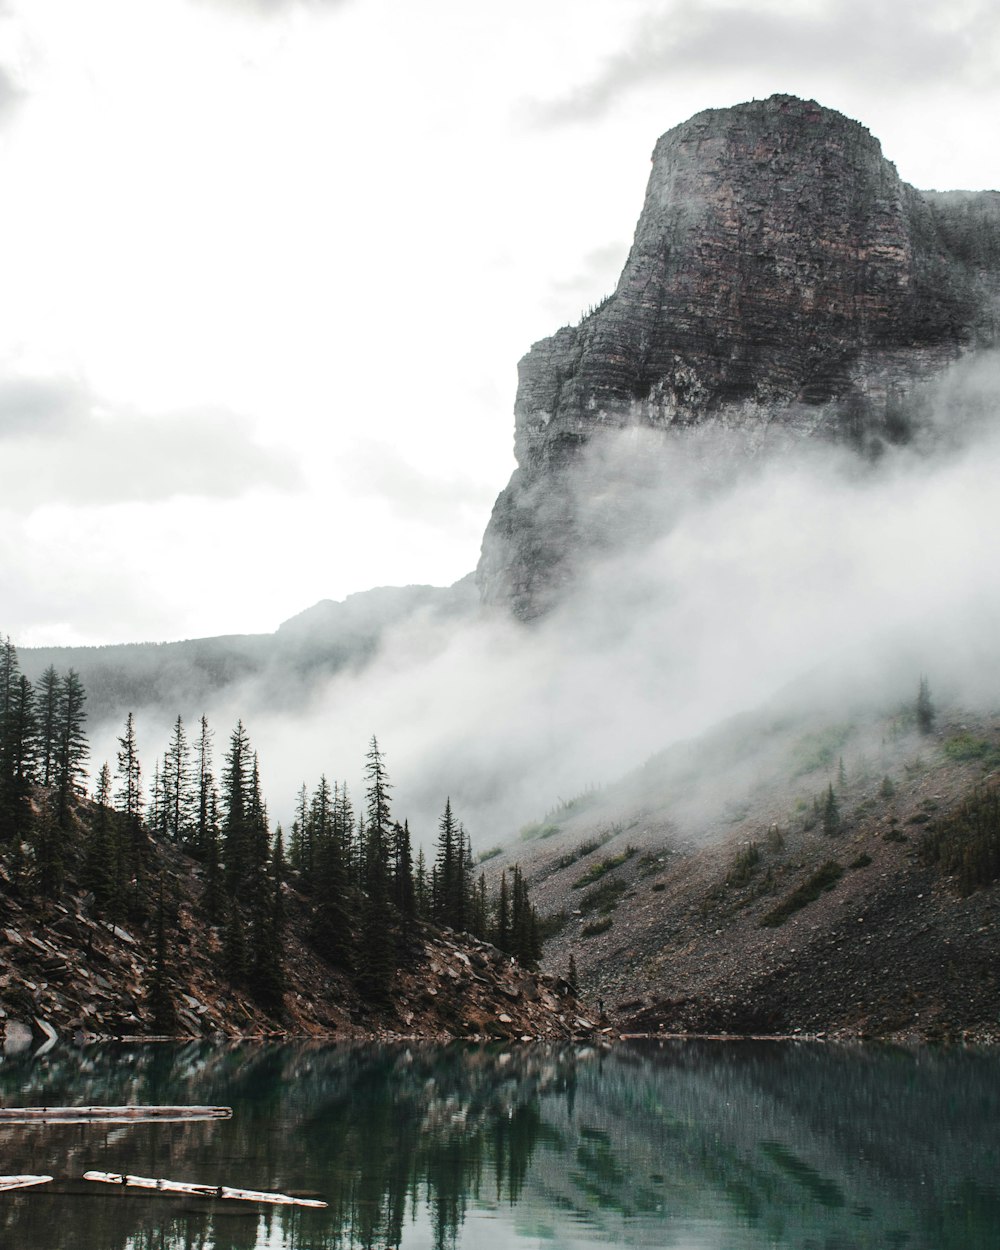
x=734 y=572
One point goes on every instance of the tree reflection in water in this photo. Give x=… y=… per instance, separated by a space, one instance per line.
x=746 y=1146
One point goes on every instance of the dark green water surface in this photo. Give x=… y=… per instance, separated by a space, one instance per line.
x=700 y=1146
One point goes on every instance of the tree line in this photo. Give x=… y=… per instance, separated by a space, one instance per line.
x=367 y=894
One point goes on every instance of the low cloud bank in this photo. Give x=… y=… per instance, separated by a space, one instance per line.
x=743 y=577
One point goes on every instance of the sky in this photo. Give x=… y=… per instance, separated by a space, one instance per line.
x=268 y=265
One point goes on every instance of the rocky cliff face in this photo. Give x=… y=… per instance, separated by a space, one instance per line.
x=783 y=282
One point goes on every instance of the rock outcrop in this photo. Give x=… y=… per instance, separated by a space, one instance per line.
x=783 y=282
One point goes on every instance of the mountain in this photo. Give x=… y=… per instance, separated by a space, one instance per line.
x=784 y=283
x=304 y=650
x=787 y=873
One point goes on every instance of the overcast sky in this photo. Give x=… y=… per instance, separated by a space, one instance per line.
x=268 y=265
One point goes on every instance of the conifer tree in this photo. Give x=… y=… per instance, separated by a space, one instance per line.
x=446 y=868
x=160 y=1004
x=18 y=746
x=48 y=701
x=178 y=824
x=421 y=887
x=207 y=796
x=71 y=744
x=831 y=813
x=925 y=708
x=104 y=868
x=236 y=834
x=402 y=873
x=129 y=795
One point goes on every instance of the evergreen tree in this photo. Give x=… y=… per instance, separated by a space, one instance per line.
x=129 y=795
x=49 y=699
x=179 y=823
x=421 y=887
x=71 y=744
x=9 y=673
x=831 y=813
x=205 y=784
x=925 y=708
x=236 y=832
x=18 y=745
x=332 y=920
x=160 y=1004
x=501 y=930
x=402 y=875
x=104 y=866
x=268 y=982
x=446 y=869
x=378 y=831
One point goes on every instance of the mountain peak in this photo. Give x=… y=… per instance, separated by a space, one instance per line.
x=782 y=278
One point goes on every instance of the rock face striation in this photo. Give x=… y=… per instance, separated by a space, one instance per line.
x=783 y=282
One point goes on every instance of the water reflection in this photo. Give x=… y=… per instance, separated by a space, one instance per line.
x=738 y=1146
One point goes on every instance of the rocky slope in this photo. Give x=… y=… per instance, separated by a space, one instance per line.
x=756 y=915
x=62 y=972
x=783 y=282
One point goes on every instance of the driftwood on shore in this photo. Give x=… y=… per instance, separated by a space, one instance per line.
x=113 y=1115
x=203 y=1191
x=22 y=1182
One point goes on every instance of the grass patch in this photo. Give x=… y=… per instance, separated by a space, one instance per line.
x=965 y=747
x=744 y=866
x=603 y=866
x=819 y=750
x=538 y=829
x=594 y=927
x=862 y=861
x=966 y=844
x=824 y=878
x=604 y=897
x=492 y=853
x=549 y=926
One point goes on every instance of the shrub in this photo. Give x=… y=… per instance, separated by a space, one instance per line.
x=743 y=866
x=596 y=926
x=967 y=843
x=824 y=878
x=603 y=866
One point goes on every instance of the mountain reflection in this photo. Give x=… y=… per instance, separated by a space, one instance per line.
x=741 y=1145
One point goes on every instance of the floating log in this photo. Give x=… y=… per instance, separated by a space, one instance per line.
x=202 y=1191
x=22 y=1182
x=113 y=1115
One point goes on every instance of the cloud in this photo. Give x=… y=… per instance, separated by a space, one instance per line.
x=861 y=40
x=10 y=94
x=379 y=470
x=268 y=8
x=61 y=445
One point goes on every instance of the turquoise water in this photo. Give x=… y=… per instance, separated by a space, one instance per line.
x=699 y=1146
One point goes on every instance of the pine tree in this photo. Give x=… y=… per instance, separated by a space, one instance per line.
x=925 y=708
x=402 y=873
x=446 y=868
x=179 y=823
x=268 y=982
x=71 y=744
x=129 y=794
x=571 y=975
x=163 y=1013
x=421 y=887
x=205 y=785
x=236 y=834
x=332 y=920
x=18 y=764
x=831 y=813
x=104 y=866
x=501 y=930
x=49 y=698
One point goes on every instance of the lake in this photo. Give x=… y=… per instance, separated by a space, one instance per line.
x=694 y=1145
